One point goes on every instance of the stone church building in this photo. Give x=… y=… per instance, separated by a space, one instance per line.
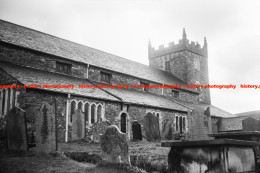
x=29 y=57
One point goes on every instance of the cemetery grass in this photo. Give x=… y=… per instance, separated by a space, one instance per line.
x=19 y=162
x=149 y=156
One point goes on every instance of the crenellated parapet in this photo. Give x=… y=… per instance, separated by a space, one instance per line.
x=184 y=44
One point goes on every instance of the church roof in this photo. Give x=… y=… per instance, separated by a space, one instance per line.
x=29 y=38
x=30 y=76
x=235 y=123
x=214 y=111
x=146 y=99
x=255 y=114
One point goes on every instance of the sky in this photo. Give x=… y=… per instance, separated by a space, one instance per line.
x=123 y=28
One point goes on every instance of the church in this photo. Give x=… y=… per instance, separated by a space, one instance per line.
x=30 y=57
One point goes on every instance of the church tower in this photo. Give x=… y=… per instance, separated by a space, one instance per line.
x=186 y=60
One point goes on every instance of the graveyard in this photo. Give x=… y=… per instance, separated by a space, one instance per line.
x=83 y=156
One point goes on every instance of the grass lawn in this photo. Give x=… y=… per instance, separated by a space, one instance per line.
x=148 y=156
x=13 y=163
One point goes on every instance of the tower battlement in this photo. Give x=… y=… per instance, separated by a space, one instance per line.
x=184 y=44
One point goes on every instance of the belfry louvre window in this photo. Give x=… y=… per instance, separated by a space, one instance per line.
x=167 y=66
x=105 y=77
x=63 y=67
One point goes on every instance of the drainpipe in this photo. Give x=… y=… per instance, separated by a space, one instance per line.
x=87 y=70
x=67 y=119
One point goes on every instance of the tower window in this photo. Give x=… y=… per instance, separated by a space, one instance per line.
x=105 y=77
x=175 y=94
x=167 y=65
x=63 y=67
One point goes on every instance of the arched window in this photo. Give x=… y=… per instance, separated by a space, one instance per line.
x=72 y=109
x=93 y=107
x=177 y=123
x=123 y=122
x=184 y=123
x=99 y=113
x=180 y=124
x=80 y=104
x=3 y=102
x=86 y=111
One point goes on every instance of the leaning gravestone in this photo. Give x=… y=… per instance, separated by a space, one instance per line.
x=167 y=130
x=16 y=129
x=99 y=128
x=151 y=127
x=46 y=129
x=114 y=146
x=78 y=125
x=137 y=131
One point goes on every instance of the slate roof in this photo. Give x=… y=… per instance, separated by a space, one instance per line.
x=214 y=111
x=235 y=123
x=143 y=98
x=255 y=114
x=25 y=37
x=31 y=76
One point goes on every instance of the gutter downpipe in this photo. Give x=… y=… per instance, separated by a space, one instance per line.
x=67 y=119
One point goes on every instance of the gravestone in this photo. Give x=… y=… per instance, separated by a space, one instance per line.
x=114 y=146
x=16 y=129
x=137 y=131
x=99 y=128
x=78 y=125
x=251 y=124
x=151 y=127
x=167 y=130
x=46 y=129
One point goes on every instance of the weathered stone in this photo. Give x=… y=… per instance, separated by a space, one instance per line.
x=167 y=130
x=137 y=131
x=78 y=125
x=151 y=127
x=16 y=129
x=99 y=128
x=46 y=129
x=114 y=146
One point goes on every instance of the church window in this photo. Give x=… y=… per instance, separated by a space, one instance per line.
x=145 y=85
x=80 y=105
x=2 y=101
x=72 y=109
x=86 y=111
x=63 y=67
x=105 y=77
x=175 y=94
x=180 y=123
x=99 y=113
x=93 y=107
x=167 y=65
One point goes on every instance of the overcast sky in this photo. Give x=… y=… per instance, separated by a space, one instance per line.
x=123 y=27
